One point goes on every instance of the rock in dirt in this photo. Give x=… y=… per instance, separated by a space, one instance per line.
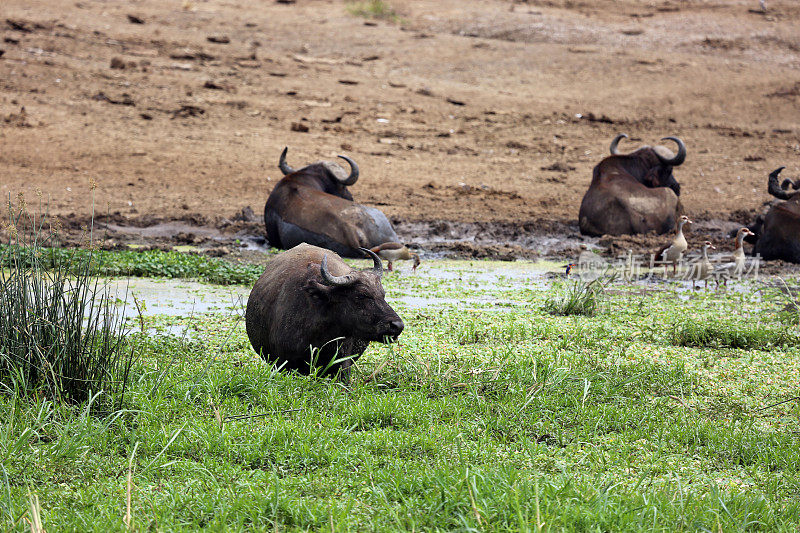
x=191 y=54
x=117 y=63
x=135 y=19
x=219 y=86
x=300 y=127
x=20 y=25
x=604 y=119
x=218 y=39
x=190 y=238
x=245 y=215
x=217 y=252
x=125 y=99
x=18 y=120
x=188 y=111
x=558 y=166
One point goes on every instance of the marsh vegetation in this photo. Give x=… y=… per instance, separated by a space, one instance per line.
x=492 y=414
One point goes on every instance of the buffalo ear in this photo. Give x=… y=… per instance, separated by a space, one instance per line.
x=315 y=289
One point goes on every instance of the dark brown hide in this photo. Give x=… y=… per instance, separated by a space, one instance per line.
x=313 y=205
x=632 y=193
x=340 y=220
x=292 y=308
x=778 y=237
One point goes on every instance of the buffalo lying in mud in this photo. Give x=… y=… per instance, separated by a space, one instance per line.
x=777 y=234
x=313 y=205
x=308 y=304
x=633 y=193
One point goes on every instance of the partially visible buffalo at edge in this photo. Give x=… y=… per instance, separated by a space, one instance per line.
x=777 y=234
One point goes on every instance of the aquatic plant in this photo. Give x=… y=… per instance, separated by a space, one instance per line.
x=60 y=332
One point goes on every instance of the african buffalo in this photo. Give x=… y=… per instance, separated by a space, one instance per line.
x=309 y=299
x=633 y=193
x=777 y=234
x=313 y=205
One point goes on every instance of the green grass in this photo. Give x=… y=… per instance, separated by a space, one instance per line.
x=373 y=9
x=149 y=263
x=578 y=297
x=61 y=335
x=744 y=334
x=488 y=416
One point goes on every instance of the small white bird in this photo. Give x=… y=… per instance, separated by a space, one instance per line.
x=394 y=251
x=673 y=252
x=763 y=4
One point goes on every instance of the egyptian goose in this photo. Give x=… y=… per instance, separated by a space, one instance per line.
x=394 y=251
x=735 y=269
x=673 y=252
x=703 y=269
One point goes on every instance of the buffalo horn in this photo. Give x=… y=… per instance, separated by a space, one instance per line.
x=351 y=179
x=330 y=279
x=773 y=187
x=286 y=169
x=615 y=142
x=376 y=261
x=789 y=183
x=678 y=159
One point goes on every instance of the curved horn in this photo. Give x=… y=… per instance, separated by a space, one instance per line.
x=678 y=159
x=286 y=169
x=353 y=177
x=330 y=279
x=615 y=142
x=789 y=183
x=377 y=267
x=773 y=188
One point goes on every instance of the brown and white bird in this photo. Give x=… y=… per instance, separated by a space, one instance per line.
x=703 y=269
x=394 y=251
x=673 y=252
x=734 y=269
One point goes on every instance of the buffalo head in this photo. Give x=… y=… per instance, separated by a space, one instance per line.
x=651 y=165
x=332 y=177
x=779 y=191
x=356 y=301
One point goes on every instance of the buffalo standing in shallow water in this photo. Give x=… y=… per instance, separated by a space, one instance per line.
x=308 y=298
x=633 y=193
x=777 y=234
x=313 y=205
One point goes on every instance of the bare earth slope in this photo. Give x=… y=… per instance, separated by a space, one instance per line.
x=458 y=110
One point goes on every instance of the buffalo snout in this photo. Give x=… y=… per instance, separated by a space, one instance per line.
x=395 y=328
x=389 y=330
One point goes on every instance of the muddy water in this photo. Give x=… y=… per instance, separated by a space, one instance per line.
x=436 y=284
x=176 y=297
x=186 y=298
